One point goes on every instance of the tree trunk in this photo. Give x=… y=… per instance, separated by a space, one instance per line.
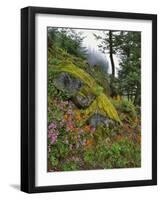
x=137 y=99
x=111 y=53
x=128 y=96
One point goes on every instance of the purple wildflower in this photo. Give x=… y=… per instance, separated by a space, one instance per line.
x=53 y=138
x=52 y=132
x=52 y=125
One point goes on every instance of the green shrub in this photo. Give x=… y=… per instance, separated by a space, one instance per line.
x=125 y=106
x=70 y=166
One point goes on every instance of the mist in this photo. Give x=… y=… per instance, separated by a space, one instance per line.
x=95 y=57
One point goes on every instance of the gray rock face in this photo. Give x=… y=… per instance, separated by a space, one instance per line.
x=83 y=101
x=68 y=84
x=98 y=119
x=72 y=86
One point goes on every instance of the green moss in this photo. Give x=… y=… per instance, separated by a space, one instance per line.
x=102 y=102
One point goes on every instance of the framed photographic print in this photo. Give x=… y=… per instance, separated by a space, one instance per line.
x=88 y=99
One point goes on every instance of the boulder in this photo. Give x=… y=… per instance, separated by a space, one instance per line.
x=67 y=83
x=72 y=86
x=83 y=101
x=98 y=119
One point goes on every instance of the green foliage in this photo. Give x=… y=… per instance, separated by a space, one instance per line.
x=89 y=158
x=121 y=154
x=66 y=39
x=58 y=151
x=70 y=166
x=54 y=161
x=130 y=72
x=125 y=106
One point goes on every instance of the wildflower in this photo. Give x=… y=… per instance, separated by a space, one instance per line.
x=89 y=142
x=87 y=128
x=52 y=125
x=69 y=127
x=66 y=117
x=53 y=138
x=52 y=135
x=50 y=132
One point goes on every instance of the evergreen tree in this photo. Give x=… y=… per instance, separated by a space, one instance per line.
x=129 y=50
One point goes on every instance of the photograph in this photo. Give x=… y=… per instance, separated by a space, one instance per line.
x=93 y=99
x=89 y=99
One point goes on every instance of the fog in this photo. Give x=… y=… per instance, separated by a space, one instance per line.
x=95 y=56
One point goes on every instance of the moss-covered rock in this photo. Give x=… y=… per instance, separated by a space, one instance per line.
x=102 y=102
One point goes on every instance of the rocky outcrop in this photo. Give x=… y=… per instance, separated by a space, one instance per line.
x=82 y=101
x=67 y=83
x=72 y=87
x=98 y=119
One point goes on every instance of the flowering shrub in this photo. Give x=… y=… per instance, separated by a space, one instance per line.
x=76 y=146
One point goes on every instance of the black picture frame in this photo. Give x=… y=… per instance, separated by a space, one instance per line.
x=28 y=98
